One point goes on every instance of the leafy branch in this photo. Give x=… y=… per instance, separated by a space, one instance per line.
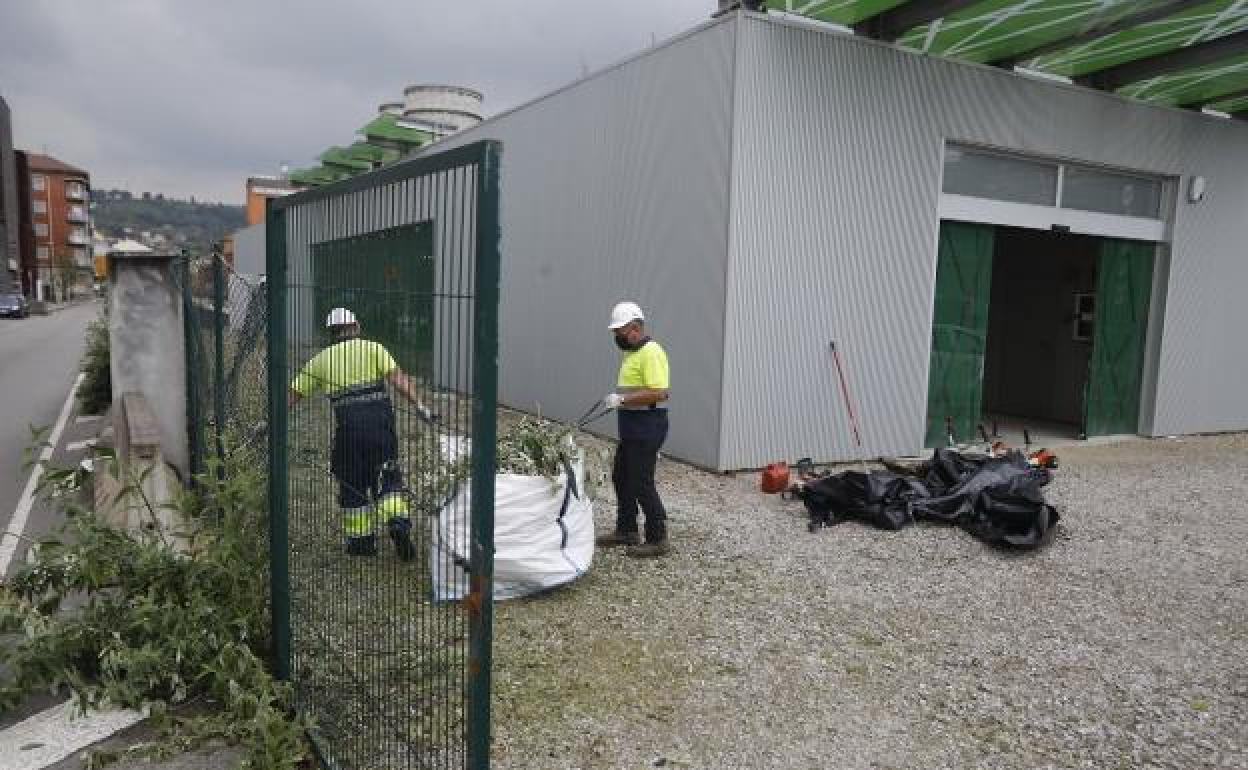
x=151 y=628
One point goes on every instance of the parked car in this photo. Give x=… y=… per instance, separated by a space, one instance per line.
x=13 y=306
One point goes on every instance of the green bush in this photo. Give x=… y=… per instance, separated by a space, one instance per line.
x=154 y=628
x=95 y=394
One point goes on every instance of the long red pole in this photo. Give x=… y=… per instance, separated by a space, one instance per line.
x=849 y=405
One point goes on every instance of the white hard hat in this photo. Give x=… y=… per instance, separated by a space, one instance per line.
x=340 y=316
x=625 y=313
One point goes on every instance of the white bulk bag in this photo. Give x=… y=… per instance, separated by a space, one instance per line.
x=543 y=535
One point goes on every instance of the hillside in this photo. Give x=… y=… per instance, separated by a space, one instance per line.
x=185 y=224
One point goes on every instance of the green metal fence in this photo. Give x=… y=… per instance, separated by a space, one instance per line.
x=375 y=426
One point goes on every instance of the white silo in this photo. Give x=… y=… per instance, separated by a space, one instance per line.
x=441 y=108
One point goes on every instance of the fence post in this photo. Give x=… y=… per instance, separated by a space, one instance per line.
x=279 y=563
x=218 y=364
x=484 y=435
x=193 y=374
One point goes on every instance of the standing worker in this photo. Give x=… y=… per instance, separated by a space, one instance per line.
x=640 y=396
x=353 y=373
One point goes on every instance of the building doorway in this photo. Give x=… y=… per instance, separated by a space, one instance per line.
x=1037 y=328
x=1041 y=323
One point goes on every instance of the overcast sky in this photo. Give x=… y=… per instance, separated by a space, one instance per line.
x=189 y=97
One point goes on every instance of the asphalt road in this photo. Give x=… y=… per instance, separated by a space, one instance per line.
x=39 y=359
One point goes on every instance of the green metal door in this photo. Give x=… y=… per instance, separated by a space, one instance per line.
x=386 y=278
x=1124 y=286
x=959 y=330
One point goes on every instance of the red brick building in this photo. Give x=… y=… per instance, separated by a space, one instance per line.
x=55 y=244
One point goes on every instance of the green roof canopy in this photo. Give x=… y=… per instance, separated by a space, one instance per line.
x=373 y=154
x=316 y=176
x=387 y=128
x=341 y=162
x=343 y=158
x=1183 y=53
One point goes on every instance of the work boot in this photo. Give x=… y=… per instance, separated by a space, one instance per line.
x=651 y=550
x=362 y=545
x=401 y=533
x=617 y=538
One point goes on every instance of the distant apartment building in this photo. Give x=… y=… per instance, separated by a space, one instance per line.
x=10 y=224
x=260 y=189
x=54 y=201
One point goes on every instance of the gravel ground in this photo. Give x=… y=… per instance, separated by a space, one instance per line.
x=759 y=645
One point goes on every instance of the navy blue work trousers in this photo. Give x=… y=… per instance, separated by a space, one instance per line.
x=642 y=433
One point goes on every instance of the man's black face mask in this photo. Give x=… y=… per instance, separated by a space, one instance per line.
x=621 y=342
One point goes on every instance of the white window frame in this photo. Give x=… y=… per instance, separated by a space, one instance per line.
x=964 y=208
x=1061 y=177
x=42 y=253
x=1033 y=216
x=38 y=182
x=39 y=206
x=41 y=230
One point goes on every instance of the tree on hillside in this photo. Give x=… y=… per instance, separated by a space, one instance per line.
x=198 y=224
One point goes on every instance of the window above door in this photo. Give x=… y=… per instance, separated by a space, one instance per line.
x=999 y=176
x=995 y=187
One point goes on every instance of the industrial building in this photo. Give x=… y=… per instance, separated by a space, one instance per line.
x=981 y=242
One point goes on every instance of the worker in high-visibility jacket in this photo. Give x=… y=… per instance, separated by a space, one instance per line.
x=641 y=396
x=353 y=373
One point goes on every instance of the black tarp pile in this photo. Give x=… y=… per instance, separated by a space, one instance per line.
x=997 y=499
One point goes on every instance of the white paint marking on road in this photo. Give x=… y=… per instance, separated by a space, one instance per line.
x=83 y=419
x=78 y=446
x=52 y=735
x=17 y=525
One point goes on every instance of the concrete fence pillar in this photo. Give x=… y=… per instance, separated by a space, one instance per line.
x=147 y=346
x=134 y=492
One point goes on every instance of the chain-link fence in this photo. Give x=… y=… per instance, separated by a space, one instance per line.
x=225 y=321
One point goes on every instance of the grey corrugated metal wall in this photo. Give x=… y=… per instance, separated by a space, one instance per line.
x=617 y=187
x=836 y=181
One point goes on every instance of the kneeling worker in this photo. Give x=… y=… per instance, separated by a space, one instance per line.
x=640 y=396
x=353 y=373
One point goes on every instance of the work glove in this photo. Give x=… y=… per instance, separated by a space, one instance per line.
x=612 y=400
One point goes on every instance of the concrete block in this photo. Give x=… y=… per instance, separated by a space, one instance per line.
x=135 y=492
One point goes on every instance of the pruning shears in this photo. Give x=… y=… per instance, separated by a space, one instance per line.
x=595 y=412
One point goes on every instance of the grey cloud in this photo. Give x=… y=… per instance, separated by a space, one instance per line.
x=189 y=98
